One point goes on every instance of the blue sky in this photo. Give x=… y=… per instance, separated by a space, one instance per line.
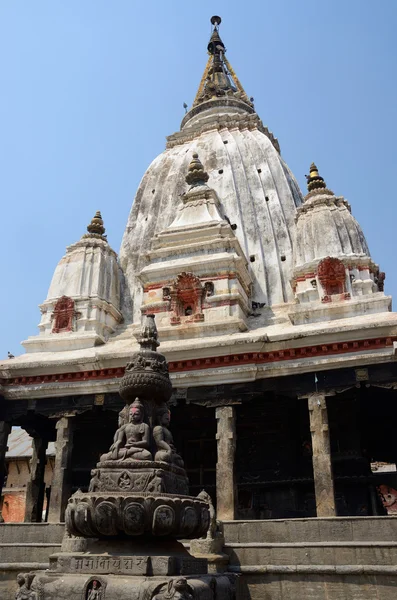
x=90 y=90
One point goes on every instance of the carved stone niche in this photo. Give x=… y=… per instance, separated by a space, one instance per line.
x=186 y=299
x=94 y=589
x=332 y=276
x=63 y=315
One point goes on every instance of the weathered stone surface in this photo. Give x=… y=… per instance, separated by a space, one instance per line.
x=142 y=476
x=128 y=564
x=36 y=487
x=60 y=489
x=322 y=466
x=87 y=277
x=122 y=587
x=105 y=514
x=225 y=476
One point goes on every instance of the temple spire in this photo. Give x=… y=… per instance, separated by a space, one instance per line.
x=219 y=78
x=314 y=180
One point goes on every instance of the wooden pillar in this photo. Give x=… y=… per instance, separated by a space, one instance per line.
x=226 y=494
x=5 y=429
x=36 y=486
x=61 y=480
x=322 y=465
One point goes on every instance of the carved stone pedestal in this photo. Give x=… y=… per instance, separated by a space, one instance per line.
x=104 y=515
x=122 y=570
x=52 y=586
x=139 y=476
x=121 y=536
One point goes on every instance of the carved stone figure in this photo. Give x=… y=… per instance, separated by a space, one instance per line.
x=94 y=592
x=132 y=439
x=25 y=582
x=166 y=451
x=213 y=523
x=177 y=589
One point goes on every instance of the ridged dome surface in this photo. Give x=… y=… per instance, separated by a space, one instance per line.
x=326 y=227
x=257 y=191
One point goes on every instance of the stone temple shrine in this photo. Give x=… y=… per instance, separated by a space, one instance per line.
x=277 y=367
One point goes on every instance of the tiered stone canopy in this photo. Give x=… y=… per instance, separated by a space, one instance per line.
x=197 y=273
x=82 y=308
x=332 y=263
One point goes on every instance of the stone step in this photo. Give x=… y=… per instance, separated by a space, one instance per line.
x=315 y=553
x=312 y=530
x=51 y=533
x=27 y=552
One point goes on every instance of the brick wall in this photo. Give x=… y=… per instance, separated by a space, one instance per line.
x=14 y=506
x=14 y=491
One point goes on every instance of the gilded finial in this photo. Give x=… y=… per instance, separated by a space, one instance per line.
x=215 y=44
x=196 y=174
x=96 y=225
x=314 y=180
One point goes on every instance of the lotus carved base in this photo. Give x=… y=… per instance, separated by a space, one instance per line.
x=101 y=514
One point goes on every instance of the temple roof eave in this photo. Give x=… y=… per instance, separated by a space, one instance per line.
x=116 y=352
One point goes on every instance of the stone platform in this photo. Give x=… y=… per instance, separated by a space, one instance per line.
x=337 y=558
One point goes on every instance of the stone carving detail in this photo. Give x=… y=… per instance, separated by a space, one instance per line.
x=163 y=520
x=131 y=493
x=186 y=298
x=131 y=440
x=166 y=451
x=332 y=276
x=25 y=591
x=146 y=375
x=103 y=515
x=212 y=515
x=175 y=589
x=94 y=591
x=63 y=315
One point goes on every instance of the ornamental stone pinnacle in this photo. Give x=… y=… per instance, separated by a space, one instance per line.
x=96 y=226
x=196 y=174
x=314 y=180
x=219 y=79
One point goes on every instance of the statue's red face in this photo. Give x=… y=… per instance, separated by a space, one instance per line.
x=94 y=584
x=136 y=414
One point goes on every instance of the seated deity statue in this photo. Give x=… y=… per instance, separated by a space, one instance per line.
x=132 y=439
x=166 y=450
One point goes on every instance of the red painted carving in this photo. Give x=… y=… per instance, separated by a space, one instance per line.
x=63 y=315
x=388 y=495
x=332 y=276
x=187 y=297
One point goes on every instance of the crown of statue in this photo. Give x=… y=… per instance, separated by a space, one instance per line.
x=137 y=404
